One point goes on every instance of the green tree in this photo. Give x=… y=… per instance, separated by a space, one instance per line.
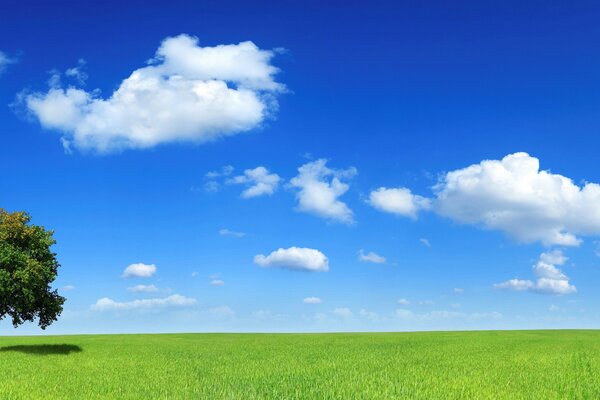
x=27 y=268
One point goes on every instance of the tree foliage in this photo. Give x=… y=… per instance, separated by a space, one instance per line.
x=27 y=269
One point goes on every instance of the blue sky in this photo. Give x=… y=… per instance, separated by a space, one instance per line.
x=390 y=111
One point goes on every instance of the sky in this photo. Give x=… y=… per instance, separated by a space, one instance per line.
x=307 y=166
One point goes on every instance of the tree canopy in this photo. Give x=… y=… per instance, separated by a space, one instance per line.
x=27 y=269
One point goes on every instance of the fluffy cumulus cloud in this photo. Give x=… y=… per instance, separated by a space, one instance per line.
x=312 y=300
x=259 y=182
x=139 y=270
x=319 y=189
x=187 y=93
x=511 y=195
x=550 y=279
x=371 y=257
x=399 y=201
x=176 y=300
x=294 y=258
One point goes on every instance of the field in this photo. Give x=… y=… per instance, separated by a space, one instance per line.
x=439 y=365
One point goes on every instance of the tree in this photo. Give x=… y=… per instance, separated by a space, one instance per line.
x=27 y=269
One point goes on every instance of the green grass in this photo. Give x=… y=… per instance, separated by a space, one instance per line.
x=440 y=365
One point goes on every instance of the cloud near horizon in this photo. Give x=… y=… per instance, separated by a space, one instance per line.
x=176 y=300
x=187 y=93
x=550 y=279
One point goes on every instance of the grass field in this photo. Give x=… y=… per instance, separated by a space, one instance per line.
x=440 y=365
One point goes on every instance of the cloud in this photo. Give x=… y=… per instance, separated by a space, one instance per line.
x=312 y=300
x=511 y=195
x=77 y=73
x=437 y=315
x=399 y=201
x=370 y=315
x=425 y=242
x=230 y=233
x=343 y=312
x=371 y=257
x=458 y=290
x=139 y=270
x=68 y=288
x=226 y=170
x=187 y=93
x=514 y=196
x=550 y=279
x=143 y=289
x=295 y=258
x=259 y=181
x=403 y=302
x=319 y=188
x=176 y=300
x=5 y=61
x=217 y=282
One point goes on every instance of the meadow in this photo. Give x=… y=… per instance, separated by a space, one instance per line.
x=431 y=365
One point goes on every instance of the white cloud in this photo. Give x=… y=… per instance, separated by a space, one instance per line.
x=68 y=288
x=371 y=257
x=217 y=282
x=230 y=233
x=343 y=312
x=399 y=201
x=425 y=242
x=259 y=181
x=319 y=188
x=226 y=170
x=458 y=290
x=514 y=196
x=139 y=270
x=438 y=315
x=143 y=289
x=5 y=61
x=312 y=300
x=403 y=302
x=176 y=300
x=555 y=308
x=78 y=73
x=295 y=258
x=550 y=279
x=511 y=195
x=187 y=93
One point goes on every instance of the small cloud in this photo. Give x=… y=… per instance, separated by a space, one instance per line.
x=294 y=258
x=211 y=187
x=371 y=257
x=319 y=189
x=77 y=73
x=458 y=290
x=403 y=302
x=5 y=61
x=143 y=289
x=176 y=300
x=312 y=300
x=195 y=274
x=554 y=308
x=230 y=233
x=399 y=201
x=370 y=315
x=217 y=282
x=343 y=312
x=455 y=305
x=68 y=288
x=425 y=242
x=425 y=303
x=224 y=171
x=139 y=270
x=259 y=182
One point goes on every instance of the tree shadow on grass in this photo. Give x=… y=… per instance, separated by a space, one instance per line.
x=43 y=349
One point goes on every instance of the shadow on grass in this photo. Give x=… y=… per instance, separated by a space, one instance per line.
x=43 y=349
